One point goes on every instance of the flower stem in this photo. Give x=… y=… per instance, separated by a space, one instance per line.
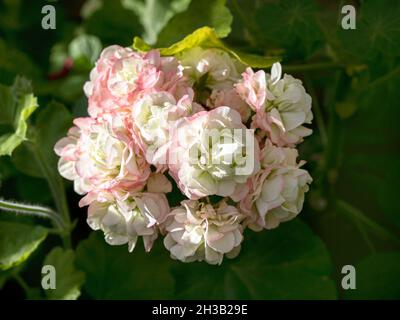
x=58 y=193
x=35 y=210
x=313 y=66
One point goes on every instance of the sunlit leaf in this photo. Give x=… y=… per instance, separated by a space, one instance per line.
x=17 y=105
x=85 y=50
x=201 y=13
x=206 y=37
x=18 y=242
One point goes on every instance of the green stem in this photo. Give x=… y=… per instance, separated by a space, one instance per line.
x=313 y=66
x=331 y=152
x=317 y=110
x=58 y=193
x=28 y=209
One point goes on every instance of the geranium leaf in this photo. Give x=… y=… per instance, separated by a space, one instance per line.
x=206 y=37
x=17 y=242
x=114 y=273
x=200 y=13
x=290 y=24
x=155 y=14
x=286 y=263
x=17 y=105
x=377 y=33
x=68 y=279
x=377 y=277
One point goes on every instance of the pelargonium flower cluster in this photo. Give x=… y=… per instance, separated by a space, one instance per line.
x=199 y=123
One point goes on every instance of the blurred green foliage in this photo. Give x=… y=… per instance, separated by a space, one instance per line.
x=352 y=213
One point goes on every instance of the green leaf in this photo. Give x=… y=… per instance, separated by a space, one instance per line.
x=291 y=24
x=85 y=50
x=286 y=263
x=112 y=23
x=68 y=279
x=13 y=62
x=18 y=242
x=17 y=105
x=155 y=14
x=377 y=33
x=200 y=13
x=29 y=168
x=372 y=154
x=206 y=37
x=377 y=277
x=114 y=273
x=51 y=125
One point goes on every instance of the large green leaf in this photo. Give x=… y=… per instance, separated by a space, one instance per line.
x=206 y=37
x=68 y=279
x=114 y=273
x=200 y=13
x=372 y=152
x=377 y=277
x=17 y=242
x=17 y=103
x=112 y=23
x=377 y=33
x=290 y=24
x=154 y=14
x=85 y=50
x=287 y=263
x=51 y=125
x=13 y=62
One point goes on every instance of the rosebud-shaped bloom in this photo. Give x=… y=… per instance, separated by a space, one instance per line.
x=210 y=68
x=277 y=190
x=123 y=221
x=154 y=115
x=102 y=160
x=282 y=105
x=213 y=153
x=231 y=99
x=197 y=231
x=121 y=75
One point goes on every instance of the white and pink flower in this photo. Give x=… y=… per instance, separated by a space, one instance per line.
x=213 y=153
x=102 y=159
x=198 y=231
x=154 y=116
x=282 y=105
x=231 y=99
x=192 y=119
x=214 y=68
x=123 y=221
x=121 y=75
x=276 y=192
